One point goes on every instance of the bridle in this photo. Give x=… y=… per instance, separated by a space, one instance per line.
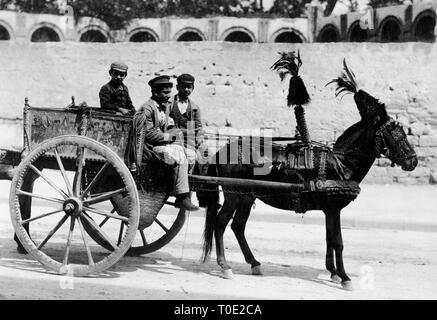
x=380 y=144
x=391 y=132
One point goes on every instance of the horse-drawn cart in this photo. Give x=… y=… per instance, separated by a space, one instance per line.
x=71 y=168
x=77 y=155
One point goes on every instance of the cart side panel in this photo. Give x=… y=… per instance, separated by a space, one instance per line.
x=110 y=129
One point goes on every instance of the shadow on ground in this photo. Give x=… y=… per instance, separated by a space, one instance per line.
x=163 y=262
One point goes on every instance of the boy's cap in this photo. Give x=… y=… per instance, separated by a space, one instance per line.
x=160 y=80
x=119 y=66
x=186 y=78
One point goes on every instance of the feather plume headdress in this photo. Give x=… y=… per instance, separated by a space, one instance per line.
x=289 y=63
x=346 y=83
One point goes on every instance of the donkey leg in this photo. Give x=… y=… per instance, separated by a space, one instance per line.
x=238 y=226
x=338 y=247
x=25 y=205
x=329 y=259
x=222 y=220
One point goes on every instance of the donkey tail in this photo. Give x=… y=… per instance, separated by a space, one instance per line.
x=208 y=232
x=211 y=200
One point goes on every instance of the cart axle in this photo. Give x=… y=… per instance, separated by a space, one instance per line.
x=73 y=206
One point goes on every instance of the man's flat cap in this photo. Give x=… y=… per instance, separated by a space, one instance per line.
x=119 y=66
x=160 y=80
x=186 y=78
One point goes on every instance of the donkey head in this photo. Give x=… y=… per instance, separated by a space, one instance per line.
x=390 y=139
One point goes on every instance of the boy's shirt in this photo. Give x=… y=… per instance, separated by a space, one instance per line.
x=112 y=97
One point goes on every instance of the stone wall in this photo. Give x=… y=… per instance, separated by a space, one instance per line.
x=234 y=84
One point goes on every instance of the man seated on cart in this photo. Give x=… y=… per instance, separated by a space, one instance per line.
x=114 y=96
x=163 y=142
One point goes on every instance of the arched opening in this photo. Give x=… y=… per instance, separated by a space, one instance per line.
x=93 y=36
x=391 y=31
x=4 y=34
x=424 y=30
x=288 y=37
x=357 y=34
x=190 y=36
x=329 y=34
x=142 y=36
x=45 y=34
x=238 y=36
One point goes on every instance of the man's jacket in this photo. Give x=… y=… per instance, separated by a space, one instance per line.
x=112 y=98
x=191 y=114
x=147 y=118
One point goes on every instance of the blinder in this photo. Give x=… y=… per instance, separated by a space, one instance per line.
x=391 y=136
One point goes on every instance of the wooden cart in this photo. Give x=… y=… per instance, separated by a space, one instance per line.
x=90 y=210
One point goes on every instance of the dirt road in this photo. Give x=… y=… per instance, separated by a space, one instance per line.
x=383 y=263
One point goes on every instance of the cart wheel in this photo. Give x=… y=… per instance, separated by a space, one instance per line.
x=63 y=248
x=163 y=229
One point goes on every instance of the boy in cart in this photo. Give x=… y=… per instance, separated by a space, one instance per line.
x=114 y=96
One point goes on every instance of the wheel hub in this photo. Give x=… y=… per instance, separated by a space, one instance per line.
x=72 y=206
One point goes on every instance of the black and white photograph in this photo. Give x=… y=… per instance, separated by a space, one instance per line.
x=215 y=155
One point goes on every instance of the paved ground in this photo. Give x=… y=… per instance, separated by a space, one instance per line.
x=390 y=252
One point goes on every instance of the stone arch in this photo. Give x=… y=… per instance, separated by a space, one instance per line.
x=189 y=34
x=356 y=33
x=6 y=32
x=288 y=35
x=143 y=34
x=390 y=30
x=423 y=26
x=329 y=33
x=45 y=31
x=238 y=34
x=93 y=33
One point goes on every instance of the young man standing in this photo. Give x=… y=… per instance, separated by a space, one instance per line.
x=183 y=108
x=114 y=95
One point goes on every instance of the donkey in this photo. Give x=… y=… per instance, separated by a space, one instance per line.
x=349 y=160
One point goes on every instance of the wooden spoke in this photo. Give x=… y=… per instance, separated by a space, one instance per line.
x=51 y=183
x=41 y=216
x=33 y=195
x=95 y=180
x=77 y=181
x=120 y=234
x=106 y=214
x=70 y=235
x=64 y=174
x=94 y=224
x=85 y=241
x=161 y=225
x=106 y=219
x=104 y=197
x=52 y=232
x=103 y=222
x=143 y=237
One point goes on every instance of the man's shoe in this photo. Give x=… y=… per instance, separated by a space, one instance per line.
x=186 y=204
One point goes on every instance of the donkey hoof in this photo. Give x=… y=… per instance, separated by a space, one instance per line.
x=227 y=274
x=256 y=271
x=335 y=278
x=347 y=285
